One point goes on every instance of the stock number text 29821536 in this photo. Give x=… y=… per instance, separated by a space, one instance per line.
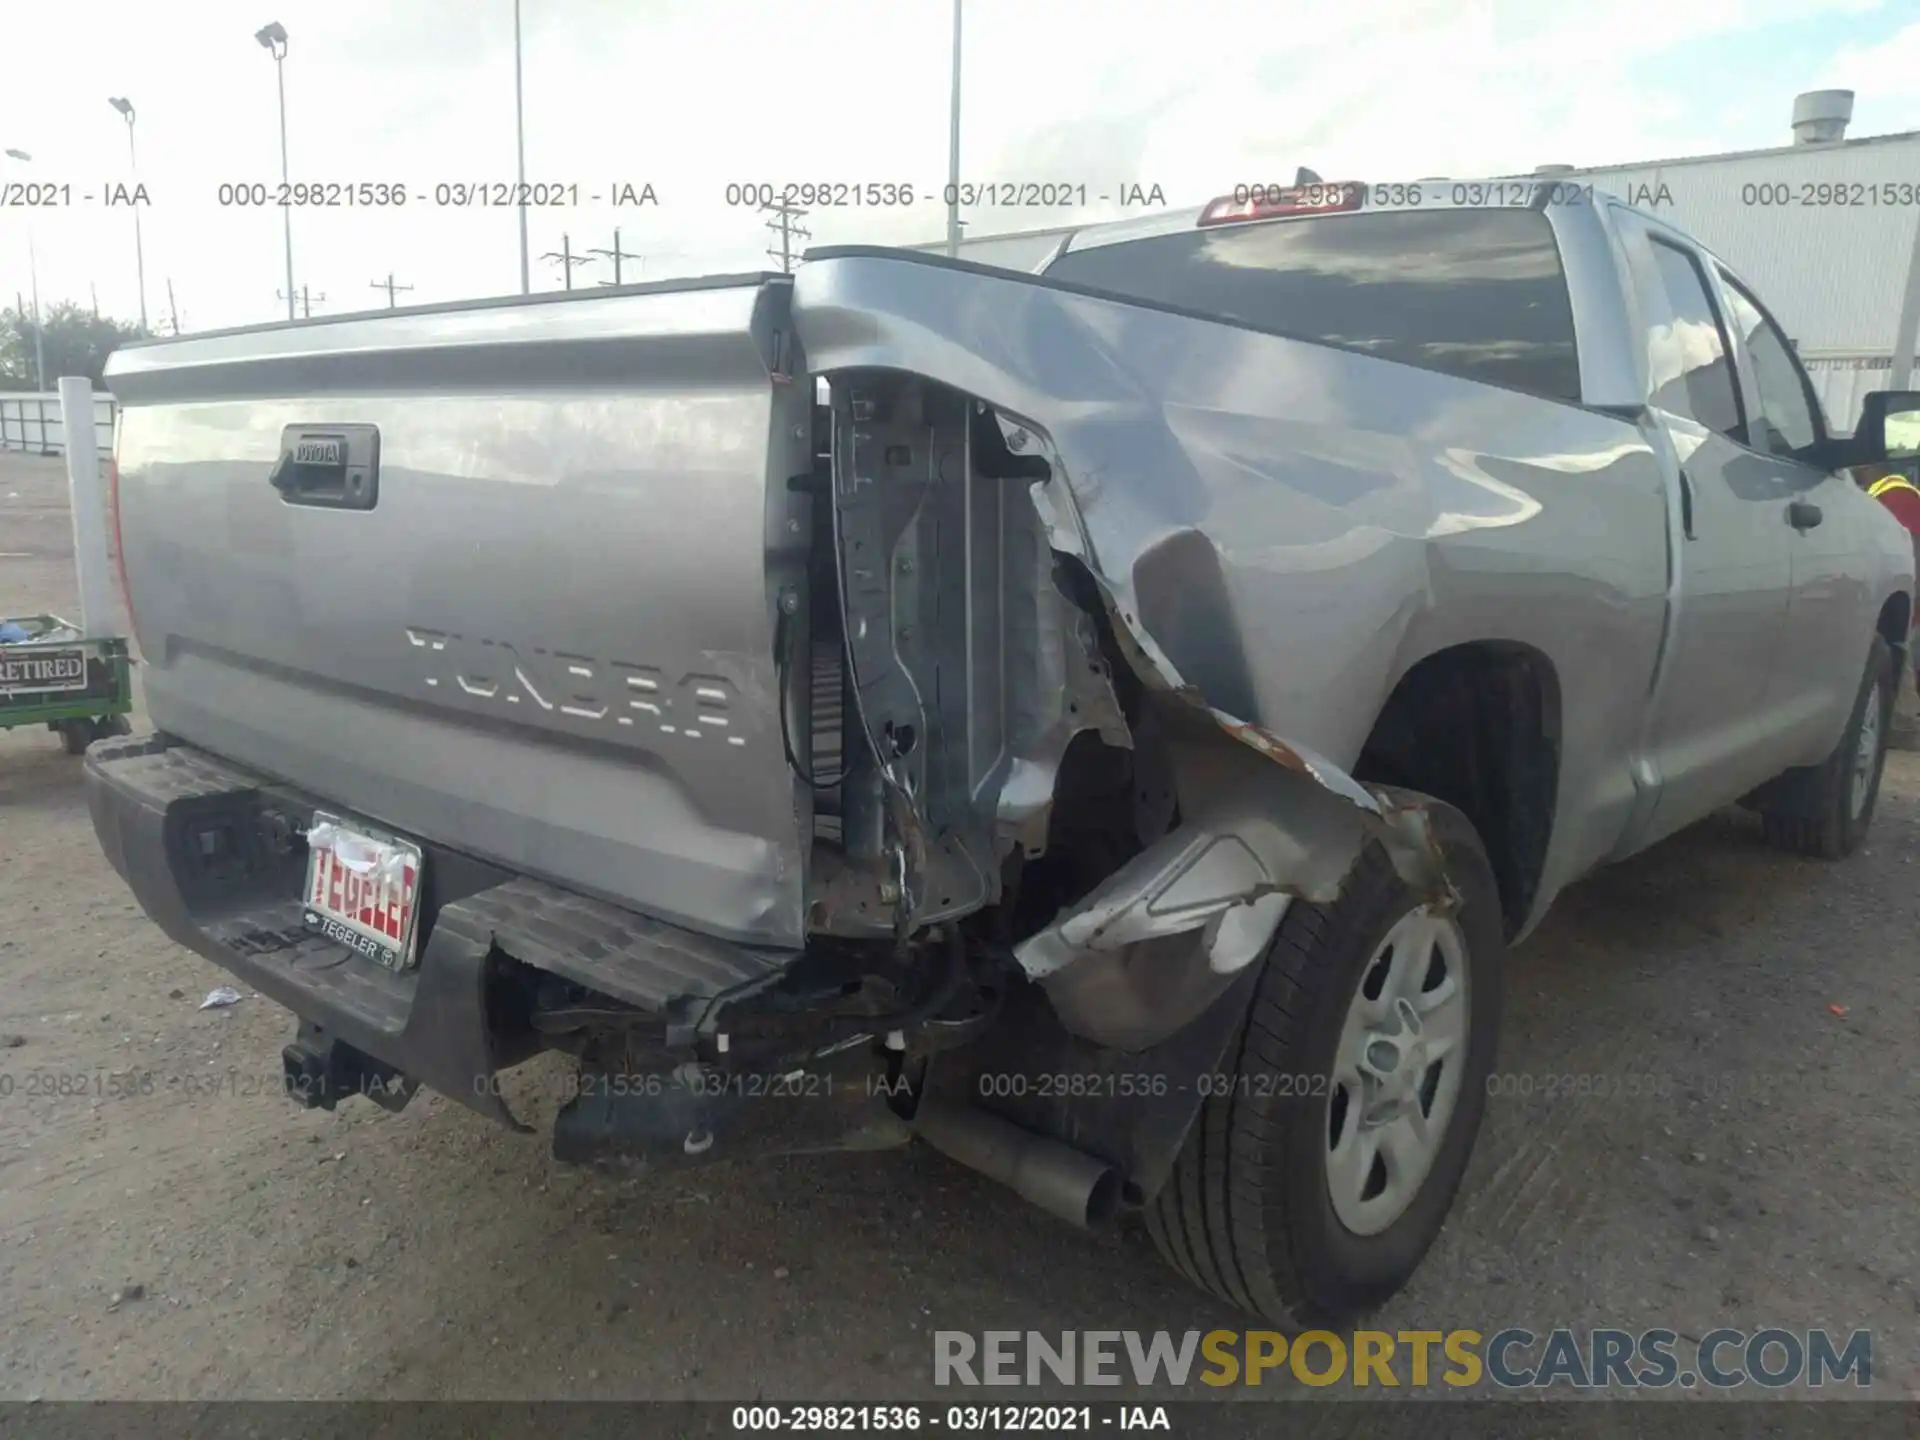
x=443 y=194
x=1855 y=195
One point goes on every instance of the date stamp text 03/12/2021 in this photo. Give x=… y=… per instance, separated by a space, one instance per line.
x=1632 y=1087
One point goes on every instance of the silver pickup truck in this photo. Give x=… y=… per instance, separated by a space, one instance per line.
x=1110 y=722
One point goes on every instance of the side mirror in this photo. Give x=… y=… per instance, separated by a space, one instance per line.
x=1889 y=427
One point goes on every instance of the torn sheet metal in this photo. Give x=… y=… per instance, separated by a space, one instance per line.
x=1405 y=832
x=1090 y=388
x=1156 y=942
x=1225 y=877
x=1192 y=880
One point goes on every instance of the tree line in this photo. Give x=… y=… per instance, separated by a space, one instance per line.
x=73 y=341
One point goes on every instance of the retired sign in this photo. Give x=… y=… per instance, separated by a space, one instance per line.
x=42 y=670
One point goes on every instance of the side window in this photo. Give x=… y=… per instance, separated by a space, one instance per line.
x=1692 y=374
x=1786 y=424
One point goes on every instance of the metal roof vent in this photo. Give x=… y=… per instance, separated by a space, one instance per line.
x=1820 y=116
x=1553 y=169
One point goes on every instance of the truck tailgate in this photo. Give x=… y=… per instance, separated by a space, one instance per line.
x=539 y=628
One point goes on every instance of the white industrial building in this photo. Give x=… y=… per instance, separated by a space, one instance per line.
x=1808 y=226
x=1825 y=228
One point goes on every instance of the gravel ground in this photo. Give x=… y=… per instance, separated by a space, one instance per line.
x=212 y=1241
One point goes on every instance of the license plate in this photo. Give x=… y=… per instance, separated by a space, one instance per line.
x=363 y=890
x=42 y=670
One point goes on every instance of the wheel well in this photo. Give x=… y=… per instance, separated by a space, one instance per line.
x=1896 y=616
x=1478 y=726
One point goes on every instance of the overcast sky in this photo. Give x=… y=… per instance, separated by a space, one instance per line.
x=689 y=95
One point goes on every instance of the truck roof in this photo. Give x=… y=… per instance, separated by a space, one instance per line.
x=1436 y=192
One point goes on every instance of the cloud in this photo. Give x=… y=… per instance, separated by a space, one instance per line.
x=1882 y=76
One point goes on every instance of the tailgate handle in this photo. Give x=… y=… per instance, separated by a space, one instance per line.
x=336 y=467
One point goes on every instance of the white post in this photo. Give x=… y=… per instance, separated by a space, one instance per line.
x=87 y=495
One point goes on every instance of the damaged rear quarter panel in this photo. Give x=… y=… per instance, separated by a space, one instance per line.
x=1286 y=528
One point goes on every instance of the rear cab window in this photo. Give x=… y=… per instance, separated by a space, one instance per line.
x=1691 y=359
x=1476 y=293
x=1788 y=424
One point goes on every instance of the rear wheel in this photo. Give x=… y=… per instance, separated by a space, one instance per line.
x=1824 y=810
x=77 y=735
x=1321 y=1168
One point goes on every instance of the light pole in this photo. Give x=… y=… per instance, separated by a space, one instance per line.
x=953 y=145
x=520 y=148
x=125 y=107
x=33 y=276
x=273 y=38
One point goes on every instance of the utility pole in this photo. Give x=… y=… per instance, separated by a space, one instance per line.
x=305 y=300
x=33 y=282
x=388 y=286
x=953 y=144
x=94 y=291
x=273 y=38
x=125 y=107
x=173 y=311
x=520 y=152
x=616 y=253
x=567 y=258
x=782 y=224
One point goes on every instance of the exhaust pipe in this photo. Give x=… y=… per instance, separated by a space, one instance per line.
x=1062 y=1181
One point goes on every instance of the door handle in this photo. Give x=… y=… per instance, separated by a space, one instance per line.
x=1686 y=505
x=1803 y=514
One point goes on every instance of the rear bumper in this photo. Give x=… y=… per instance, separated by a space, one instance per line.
x=213 y=854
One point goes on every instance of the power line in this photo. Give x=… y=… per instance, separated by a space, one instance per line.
x=306 y=302
x=782 y=224
x=388 y=286
x=567 y=258
x=615 y=254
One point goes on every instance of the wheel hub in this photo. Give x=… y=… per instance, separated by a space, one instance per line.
x=1393 y=1057
x=1397 y=1071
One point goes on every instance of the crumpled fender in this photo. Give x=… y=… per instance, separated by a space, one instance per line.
x=1223 y=877
x=1116 y=964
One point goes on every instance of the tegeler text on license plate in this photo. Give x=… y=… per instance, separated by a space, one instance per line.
x=42 y=670
x=363 y=890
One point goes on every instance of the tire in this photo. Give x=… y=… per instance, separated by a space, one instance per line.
x=75 y=736
x=110 y=726
x=1823 y=811
x=1248 y=1212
